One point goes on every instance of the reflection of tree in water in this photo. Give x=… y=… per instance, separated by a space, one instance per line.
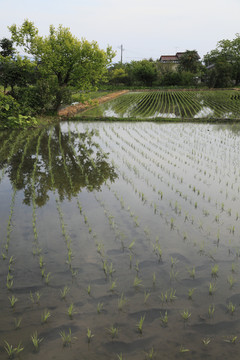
x=76 y=161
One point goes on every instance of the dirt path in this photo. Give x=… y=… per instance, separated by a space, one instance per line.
x=72 y=110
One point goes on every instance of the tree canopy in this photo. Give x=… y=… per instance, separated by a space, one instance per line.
x=189 y=61
x=61 y=55
x=223 y=63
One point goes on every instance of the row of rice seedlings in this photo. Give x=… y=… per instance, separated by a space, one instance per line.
x=69 y=256
x=10 y=279
x=36 y=247
x=203 y=194
x=196 y=105
x=10 y=349
x=140 y=105
x=217 y=102
x=201 y=170
x=150 y=112
x=107 y=269
x=183 y=100
x=148 y=107
x=127 y=101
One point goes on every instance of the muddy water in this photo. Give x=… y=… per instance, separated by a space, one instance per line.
x=121 y=211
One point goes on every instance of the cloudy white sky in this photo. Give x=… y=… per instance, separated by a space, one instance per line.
x=145 y=28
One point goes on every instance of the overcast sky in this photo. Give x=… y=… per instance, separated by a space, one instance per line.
x=145 y=28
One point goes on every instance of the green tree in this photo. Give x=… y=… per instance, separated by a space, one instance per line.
x=223 y=63
x=143 y=72
x=189 y=61
x=61 y=55
x=16 y=71
x=7 y=48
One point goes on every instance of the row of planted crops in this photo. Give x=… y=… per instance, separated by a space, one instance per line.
x=190 y=105
x=120 y=241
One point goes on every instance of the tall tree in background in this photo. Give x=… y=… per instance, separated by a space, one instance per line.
x=7 y=48
x=223 y=63
x=62 y=59
x=189 y=61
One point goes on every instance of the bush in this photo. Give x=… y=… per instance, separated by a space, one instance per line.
x=8 y=107
x=9 y=114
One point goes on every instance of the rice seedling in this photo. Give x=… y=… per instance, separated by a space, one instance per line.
x=38 y=296
x=150 y=354
x=111 y=270
x=89 y=335
x=136 y=221
x=131 y=245
x=122 y=302
x=113 y=286
x=231 y=308
x=13 y=300
x=190 y=293
x=45 y=316
x=17 y=322
x=9 y=284
x=146 y=296
x=41 y=263
x=71 y=311
x=120 y=356
x=164 y=318
x=154 y=279
x=11 y=351
x=215 y=269
x=113 y=331
x=192 y=272
x=43 y=272
x=206 y=341
x=137 y=267
x=212 y=288
x=158 y=251
x=234 y=268
x=99 y=307
x=211 y=310
x=64 y=292
x=47 y=278
x=183 y=349
x=11 y=260
x=89 y=289
x=105 y=268
x=137 y=282
x=36 y=340
x=231 y=280
x=231 y=339
x=67 y=338
x=174 y=261
x=140 y=324
x=174 y=274
x=185 y=315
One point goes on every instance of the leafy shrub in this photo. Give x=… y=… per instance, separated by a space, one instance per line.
x=8 y=107
x=10 y=116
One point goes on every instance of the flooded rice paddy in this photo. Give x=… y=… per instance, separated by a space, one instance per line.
x=218 y=104
x=120 y=241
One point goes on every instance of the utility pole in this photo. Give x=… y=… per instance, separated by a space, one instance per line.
x=122 y=49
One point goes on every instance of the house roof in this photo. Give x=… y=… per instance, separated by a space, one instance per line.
x=168 y=58
x=174 y=58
